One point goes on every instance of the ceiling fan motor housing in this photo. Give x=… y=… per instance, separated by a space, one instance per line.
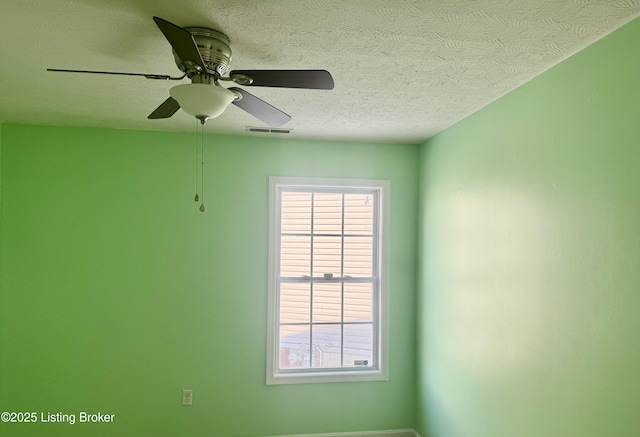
x=214 y=49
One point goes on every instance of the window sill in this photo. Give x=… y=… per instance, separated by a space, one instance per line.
x=331 y=376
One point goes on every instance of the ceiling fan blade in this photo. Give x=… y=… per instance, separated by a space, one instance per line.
x=165 y=110
x=309 y=79
x=148 y=76
x=260 y=109
x=182 y=42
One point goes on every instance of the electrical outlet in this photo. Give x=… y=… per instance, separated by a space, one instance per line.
x=187 y=397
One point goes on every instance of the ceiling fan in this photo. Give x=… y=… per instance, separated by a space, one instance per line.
x=203 y=55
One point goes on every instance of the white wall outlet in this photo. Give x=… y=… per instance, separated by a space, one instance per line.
x=187 y=397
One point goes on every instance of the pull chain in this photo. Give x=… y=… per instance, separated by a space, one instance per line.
x=202 y=209
x=197 y=127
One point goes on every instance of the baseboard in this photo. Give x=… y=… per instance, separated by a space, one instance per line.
x=383 y=433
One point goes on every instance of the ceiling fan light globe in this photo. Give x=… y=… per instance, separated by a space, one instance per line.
x=202 y=100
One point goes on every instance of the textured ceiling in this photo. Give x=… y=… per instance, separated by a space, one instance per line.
x=404 y=70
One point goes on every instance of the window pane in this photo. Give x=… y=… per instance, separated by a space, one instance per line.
x=327 y=213
x=295 y=256
x=294 y=346
x=358 y=344
x=295 y=302
x=358 y=214
x=358 y=302
x=327 y=253
x=295 y=213
x=358 y=256
x=327 y=345
x=327 y=302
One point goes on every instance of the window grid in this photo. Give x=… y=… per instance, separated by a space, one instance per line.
x=313 y=279
x=351 y=307
x=311 y=288
x=342 y=282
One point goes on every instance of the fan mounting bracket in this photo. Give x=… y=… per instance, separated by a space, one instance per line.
x=214 y=49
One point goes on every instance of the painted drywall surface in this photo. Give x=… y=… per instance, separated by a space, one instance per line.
x=118 y=293
x=0 y=238
x=529 y=295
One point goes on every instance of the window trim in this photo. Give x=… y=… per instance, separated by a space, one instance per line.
x=381 y=372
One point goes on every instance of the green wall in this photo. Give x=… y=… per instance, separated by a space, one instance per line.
x=117 y=293
x=529 y=290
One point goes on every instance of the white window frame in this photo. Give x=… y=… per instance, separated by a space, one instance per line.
x=380 y=370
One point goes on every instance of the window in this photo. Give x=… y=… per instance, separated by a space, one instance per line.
x=328 y=280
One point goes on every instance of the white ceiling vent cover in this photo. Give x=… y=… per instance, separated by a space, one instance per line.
x=268 y=130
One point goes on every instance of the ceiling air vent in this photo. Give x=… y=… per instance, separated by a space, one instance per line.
x=268 y=130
